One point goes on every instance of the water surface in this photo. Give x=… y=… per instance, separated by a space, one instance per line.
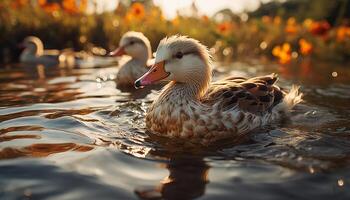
x=69 y=133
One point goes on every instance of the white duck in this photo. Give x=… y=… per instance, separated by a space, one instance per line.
x=136 y=45
x=191 y=107
x=34 y=52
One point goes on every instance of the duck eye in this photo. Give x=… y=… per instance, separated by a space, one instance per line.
x=132 y=42
x=179 y=55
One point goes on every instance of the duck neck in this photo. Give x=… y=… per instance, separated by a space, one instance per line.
x=37 y=48
x=141 y=58
x=184 y=91
x=194 y=84
x=32 y=51
x=191 y=87
x=145 y=56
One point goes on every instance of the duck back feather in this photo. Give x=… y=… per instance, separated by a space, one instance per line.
x=256 y=95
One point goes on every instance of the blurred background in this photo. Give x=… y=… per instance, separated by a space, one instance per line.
x=282 y=30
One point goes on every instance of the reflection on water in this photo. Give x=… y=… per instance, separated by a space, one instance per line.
x=72 y=133
x=187 y=179
x=40 y=150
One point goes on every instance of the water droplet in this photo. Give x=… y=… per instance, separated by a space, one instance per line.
x=111 y=76
x=334 y=74
x=341 y=182
x=98 y=79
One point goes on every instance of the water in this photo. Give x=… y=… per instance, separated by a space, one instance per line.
x=69 y=133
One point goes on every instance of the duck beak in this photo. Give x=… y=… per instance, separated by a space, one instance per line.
x=156 y=73
x=118 y=52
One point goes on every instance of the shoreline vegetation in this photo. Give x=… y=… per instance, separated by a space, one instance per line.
x=281 y=31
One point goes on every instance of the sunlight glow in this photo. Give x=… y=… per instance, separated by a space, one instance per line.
x=171 y=7
x=206 y=7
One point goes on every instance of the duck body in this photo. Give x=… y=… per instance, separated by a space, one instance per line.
x=193 y=108
x=130 y=71
x=230 y=108
x=48 y=59
x=138 y=47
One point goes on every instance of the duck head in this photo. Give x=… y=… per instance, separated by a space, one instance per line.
x=134 y=44
x=33 y=45
x=180 y=59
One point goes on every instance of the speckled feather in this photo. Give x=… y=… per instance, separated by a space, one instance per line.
x=256 y=95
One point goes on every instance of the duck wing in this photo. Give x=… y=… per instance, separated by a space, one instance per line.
x=256 y=95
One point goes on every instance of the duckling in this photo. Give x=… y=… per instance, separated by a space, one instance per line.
x=192 y=107
x=136 y=45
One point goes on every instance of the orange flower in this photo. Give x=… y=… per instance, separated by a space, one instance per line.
x=137 y=10
x=305 y=47
x=266 y=19
x=83 y=5
x=128 y=18
x=319 y=28
x=277 y=20
x=224 y=27
x=48 y=7
x=19 y=3
x=291 y=27
x=276 y=51
x=175 y=21
x=342 y=33
x=307 y=23
x=283 y=53
x=286 y=47
x=205 y=18
x=155 y=12
x=70 y=6
x=291 y=21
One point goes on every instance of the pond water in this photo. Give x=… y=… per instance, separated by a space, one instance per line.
x=69 y=133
